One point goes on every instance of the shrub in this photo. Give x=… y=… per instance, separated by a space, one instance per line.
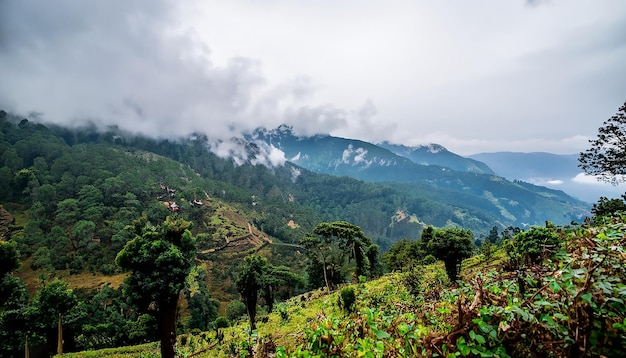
x=487 y=249
x=222 y=322
x=429 y=259
x=347 y=299
x=235 y=310
x=282 y=310
x=533 y=245
x=412 y=279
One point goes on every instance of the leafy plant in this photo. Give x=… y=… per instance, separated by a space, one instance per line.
x=347 y=299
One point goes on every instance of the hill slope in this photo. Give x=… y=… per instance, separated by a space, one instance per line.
x=572 y=303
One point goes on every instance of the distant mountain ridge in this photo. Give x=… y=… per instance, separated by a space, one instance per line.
x=436 y=154
x=556 y=171
x=518 y=202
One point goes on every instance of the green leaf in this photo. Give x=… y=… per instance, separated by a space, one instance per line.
x=380 y=334
x=560 y=316
x=554 y=286
x=462 y=346
x=587 y=297
x=480 y=339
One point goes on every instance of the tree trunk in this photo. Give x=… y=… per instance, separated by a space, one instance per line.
x=167 y=329
x=60 y=337
x=269 y=298
x=325 y=276
x=251 y=300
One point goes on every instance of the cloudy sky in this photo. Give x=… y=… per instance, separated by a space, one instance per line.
x=474 y=76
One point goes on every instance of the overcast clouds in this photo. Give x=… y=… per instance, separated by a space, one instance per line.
x=474 y=76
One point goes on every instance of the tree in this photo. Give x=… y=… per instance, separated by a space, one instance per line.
x=50 y=304
x=249 y=282
x=13 y=299
x=403 y=255
x=493 y=235
x=275 y=277
x=235 y=309
x=606 y=206
x=159 y=258
x=9 y=259
x=202 y=308
x=339 y=242
x=452 y=245
x=318 y=250
x=606 y=159
x=532 y=245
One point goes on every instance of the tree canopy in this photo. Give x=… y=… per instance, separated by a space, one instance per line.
x=249 y=282
x=451 y=245
x=9 y=260
x=337 y=244
x=606 y=159
x=159 y=258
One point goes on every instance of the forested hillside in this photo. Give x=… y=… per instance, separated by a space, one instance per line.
x=470 y=185
x=74 y=199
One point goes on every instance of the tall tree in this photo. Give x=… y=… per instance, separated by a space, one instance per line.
x=13 y=299
x=452 y=245
x=159 y=258
x=273 y=278
x=606 y=159
x=50 y=304
x=351 y=242
x=249 y=282
x=493 y=235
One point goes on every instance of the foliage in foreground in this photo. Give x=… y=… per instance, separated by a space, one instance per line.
x=572 y=304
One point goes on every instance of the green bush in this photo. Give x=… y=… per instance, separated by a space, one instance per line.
x=235 y=310
x=533 y=245
x=222 y=322
x=347 y=299
x=429 y=259
x=412 y=280
x=487 y=249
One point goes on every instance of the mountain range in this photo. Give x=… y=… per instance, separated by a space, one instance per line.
x=386 y=161
x=464 y=182
x=556 y=171
x=326 y=178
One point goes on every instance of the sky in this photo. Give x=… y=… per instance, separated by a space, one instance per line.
x=474 y=76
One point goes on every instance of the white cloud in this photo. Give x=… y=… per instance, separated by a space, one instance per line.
x=474 y=77
x=583 y=178
x=295 y=173
x=555 y=182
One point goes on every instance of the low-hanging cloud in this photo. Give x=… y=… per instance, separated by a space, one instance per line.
x=135 y=65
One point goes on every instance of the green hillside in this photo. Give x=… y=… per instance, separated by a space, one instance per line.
x=570 y=303
x=72 y=199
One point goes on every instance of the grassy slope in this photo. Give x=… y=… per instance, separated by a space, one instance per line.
x=313 y=310
x=573 y=305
